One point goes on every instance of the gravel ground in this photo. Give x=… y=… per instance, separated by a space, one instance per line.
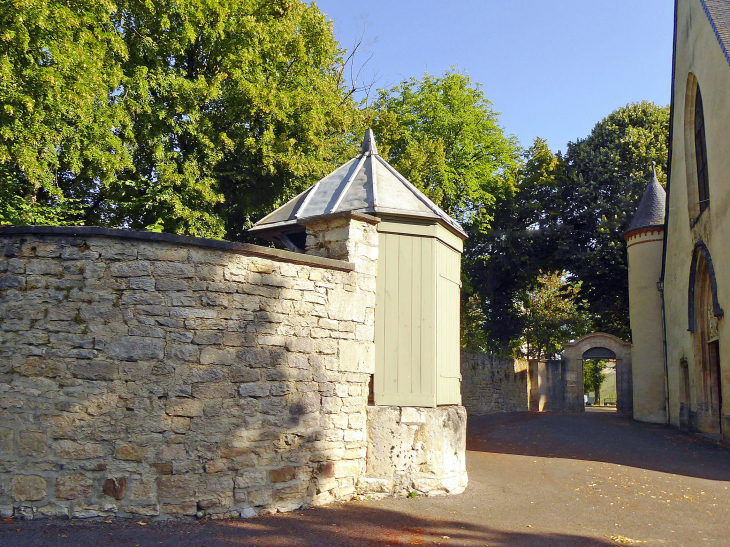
x=537 y=480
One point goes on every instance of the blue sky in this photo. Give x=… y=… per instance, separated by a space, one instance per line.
x=554 y=68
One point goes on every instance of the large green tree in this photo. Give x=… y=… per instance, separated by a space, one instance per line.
x=444 y=136
x=504 y=261
x=569 y=212
x=189 y=117
x=237 y=107
x=593 y=377
x=62 y=128
x=605 y=177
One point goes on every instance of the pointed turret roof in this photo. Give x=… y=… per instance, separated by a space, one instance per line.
x=651 y=207
x=365 y=184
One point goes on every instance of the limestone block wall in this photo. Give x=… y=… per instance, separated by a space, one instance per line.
x=155 y=375
x=410 y=449
x=493 y=384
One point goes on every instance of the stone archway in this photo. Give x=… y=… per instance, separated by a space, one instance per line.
x=598 y=345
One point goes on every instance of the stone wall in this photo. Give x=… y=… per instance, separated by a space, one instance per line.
x=547 y=383
x=493 y=384
x=420 y=450
x=155 y=375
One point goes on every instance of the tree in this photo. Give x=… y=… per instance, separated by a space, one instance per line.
x=443 y=135
x=505 y=260
x=63 y=129
x=593 y=377
x=189 y=117
x=569 y=212
x=551 y=314
x=237 y=108
x=604 y=179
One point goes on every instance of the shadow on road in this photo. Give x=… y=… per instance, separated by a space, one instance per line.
x=599 y=436
x=356 y=525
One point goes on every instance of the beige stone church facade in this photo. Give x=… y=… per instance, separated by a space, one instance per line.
x=679 y=262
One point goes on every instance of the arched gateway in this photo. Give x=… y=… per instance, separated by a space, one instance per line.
x=598 y=345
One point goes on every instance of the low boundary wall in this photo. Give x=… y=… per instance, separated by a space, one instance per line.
x=154 y=375
x=493 y=384
x=148 y=374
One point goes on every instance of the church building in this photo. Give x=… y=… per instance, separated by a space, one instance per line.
x=679 y=266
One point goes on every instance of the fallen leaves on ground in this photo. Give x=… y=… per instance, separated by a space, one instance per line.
x=623 y=540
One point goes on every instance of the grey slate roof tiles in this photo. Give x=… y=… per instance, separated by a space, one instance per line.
x=365 y=184
x=651 y=207
x=718 y=12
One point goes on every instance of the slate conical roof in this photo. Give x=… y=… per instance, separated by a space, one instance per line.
x=365 y=184
x=651 y=207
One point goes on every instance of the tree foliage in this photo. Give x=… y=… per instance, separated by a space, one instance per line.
x=60 y=123
x=507 y=259
x=443 y=135
x=551 y=313
x=192 y=117
x=569 y=212
x=593 y=376
x=606 y=175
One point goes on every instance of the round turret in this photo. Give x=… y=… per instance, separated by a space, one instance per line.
x=645 y=243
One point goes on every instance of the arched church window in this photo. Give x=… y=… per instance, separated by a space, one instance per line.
x=703 y=184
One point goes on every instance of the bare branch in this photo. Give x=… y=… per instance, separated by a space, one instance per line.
x=349 y=75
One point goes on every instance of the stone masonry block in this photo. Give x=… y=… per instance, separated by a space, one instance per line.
x=283 y=474
x=184 y=407
x=186 y=509
x=95 y=370
x=79 y=451
x=131 y=452
x=135 y=268
x=32 y=443
x=177 y=486
x=116 y=488
x=251 y=479
x=356 y=356
x=28 y=488
x=6 y=442
x=410 y=415
x=136 y=348
x=73 y=487
x=174 y=269
x=253 y=390
x=37 y=366
x=347 y=468
x=244 y=374
x=217 y=356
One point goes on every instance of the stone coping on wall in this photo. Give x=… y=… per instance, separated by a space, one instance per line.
x=273 y=228
x=140 y=235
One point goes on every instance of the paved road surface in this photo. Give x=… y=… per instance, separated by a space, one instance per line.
x=535 y=480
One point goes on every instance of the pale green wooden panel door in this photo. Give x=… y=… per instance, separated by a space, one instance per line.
x=405 y=311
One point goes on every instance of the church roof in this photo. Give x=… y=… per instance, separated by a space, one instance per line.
x=718 y=12
x=365 y=184
x=651 y=207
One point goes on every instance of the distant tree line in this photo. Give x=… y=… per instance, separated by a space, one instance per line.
x=199 y=118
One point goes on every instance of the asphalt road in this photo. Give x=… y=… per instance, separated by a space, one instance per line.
x=537 y=480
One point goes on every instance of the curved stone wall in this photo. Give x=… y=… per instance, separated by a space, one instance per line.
x=156 y=375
